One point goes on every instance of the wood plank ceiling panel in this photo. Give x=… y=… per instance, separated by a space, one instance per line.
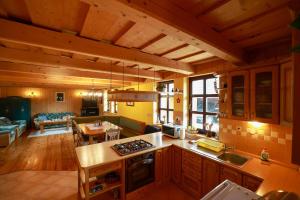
x=197 y=57
x=182 y=52
x=103 y=25
x=58 y=14
x=260 y=26
x=236 y=11
x=163 y=45
x=137 y=36
x=195 y=7
x=15 y=9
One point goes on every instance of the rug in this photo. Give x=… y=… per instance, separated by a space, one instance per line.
x=52 y=131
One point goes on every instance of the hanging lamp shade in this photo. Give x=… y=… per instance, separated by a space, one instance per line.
x=132 y=96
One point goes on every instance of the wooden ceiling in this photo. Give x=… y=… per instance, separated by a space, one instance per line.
x=89 y=42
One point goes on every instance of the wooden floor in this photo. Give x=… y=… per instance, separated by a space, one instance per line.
x=53 y=153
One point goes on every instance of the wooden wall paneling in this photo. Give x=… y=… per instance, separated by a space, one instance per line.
x=137 y=35
x=15 y=9
x=286 y=93
x=21 y=33
x=258 y=27
x=69 y=15
x=236 y=11
x=195 y=7
x=106 y=28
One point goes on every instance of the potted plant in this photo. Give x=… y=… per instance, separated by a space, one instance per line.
x=161 y=87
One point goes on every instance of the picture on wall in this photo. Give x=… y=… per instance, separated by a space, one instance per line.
x=129 y=103
x=60 y=97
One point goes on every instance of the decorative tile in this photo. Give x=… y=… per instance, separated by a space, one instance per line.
x=244 y=133
x=281 y=141
x=274 y=134
x=224 y=130
x=288 y=136
x=229 y=126
x=233 y=132
x=267 y=138
x=254 y=136
x=261 y=132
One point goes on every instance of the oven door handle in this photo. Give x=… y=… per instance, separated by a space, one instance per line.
x=142 y=162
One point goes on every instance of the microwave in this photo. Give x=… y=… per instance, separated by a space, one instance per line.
x=171 y=130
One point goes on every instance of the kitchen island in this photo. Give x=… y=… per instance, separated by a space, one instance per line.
x=254 y=173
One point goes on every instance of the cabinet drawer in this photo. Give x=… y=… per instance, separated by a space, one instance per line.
x=251 y=182
x=192 y=157
x=196 y=174
x=105 y=169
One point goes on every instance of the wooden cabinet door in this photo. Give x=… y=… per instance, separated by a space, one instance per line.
x=286 y=94
x=211 y=171
x=265 y=94
x=238 y=95
x=163 y=166
x=230 y=174
x=191 y=186
x=176 y=164
x=251 y=182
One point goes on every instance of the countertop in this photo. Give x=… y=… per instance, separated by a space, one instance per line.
x=274 y=176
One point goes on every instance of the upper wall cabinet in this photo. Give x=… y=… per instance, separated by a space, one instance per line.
x=264 y=94
x=238 y=95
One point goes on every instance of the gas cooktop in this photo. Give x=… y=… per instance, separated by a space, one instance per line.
x=131 y=147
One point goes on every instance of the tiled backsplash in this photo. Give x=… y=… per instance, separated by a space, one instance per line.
x=253 y=137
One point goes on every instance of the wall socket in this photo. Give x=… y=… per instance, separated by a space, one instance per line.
x=238 y=128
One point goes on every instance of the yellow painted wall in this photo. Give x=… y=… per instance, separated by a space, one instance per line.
x=141 y=111
x=181 y=101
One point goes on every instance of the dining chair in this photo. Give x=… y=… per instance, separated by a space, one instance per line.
x=81 y=140
x=112 y=134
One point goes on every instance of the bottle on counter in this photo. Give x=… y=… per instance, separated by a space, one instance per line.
x=264 y=155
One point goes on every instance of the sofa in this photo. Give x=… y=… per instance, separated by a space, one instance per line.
x=10 y=130
x=130 y=127
x=52 y=117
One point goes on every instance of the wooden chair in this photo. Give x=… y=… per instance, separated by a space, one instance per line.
x=112 y=134
x=81 y=141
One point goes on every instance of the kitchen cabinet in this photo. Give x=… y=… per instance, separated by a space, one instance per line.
x=163 y=166
x=238 y=95
x=211 y=171
x=230 y=174
x=176 y=164
x=265 y=94
x=192 y=173
x=286 y=94
x=251 y=182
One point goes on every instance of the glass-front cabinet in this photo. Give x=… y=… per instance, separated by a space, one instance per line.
x=264 y=94
x=238 y=93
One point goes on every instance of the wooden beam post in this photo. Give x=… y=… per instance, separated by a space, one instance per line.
x=43 y=38
x=38 y=58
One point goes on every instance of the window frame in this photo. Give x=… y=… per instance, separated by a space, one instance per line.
x=204 y=96
x=168 y=96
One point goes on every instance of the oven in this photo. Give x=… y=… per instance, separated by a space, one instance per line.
x=139 y=171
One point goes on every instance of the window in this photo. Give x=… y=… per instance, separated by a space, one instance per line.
x=109 y=106
x=166 y=103
x=204 y=102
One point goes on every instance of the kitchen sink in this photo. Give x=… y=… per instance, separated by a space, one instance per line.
x=233 y=158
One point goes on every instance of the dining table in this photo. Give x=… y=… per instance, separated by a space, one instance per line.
x=95 y=130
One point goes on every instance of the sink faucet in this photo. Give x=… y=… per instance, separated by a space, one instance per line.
x=228 y=148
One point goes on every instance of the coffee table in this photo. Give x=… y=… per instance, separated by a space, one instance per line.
x=49 y=122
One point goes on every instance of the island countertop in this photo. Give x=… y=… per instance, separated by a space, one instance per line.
x=274 y=176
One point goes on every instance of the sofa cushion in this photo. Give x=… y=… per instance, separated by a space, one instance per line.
x=81 y=120
x=126 y=132
x=4 y=121
x=135 y=125
x=42 y=117
x=112 y=119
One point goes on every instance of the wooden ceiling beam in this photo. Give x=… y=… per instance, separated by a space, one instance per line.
x=175 y=22
x=35 y=69
x=38 y=58
x=43 y=38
